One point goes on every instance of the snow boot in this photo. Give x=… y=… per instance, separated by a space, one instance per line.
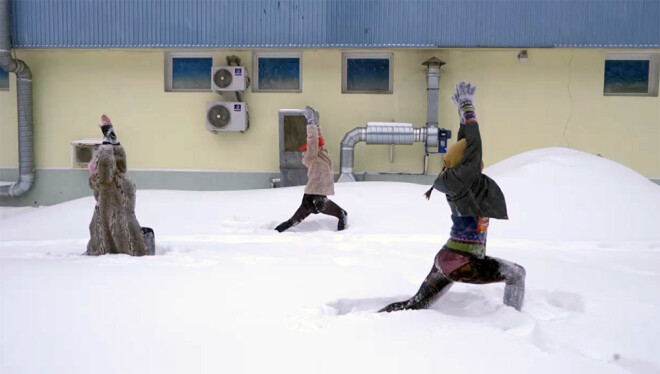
x=149 y=240
x=514 y=291
x=343 y=221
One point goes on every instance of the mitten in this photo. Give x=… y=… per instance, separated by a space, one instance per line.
x=108 y=130
x=311 y=116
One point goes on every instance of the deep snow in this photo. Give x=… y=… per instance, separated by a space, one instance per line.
x=226 y=293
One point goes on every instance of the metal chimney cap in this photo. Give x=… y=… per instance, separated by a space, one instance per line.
x=433 y=62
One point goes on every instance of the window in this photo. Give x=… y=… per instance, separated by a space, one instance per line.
x=631 y=74
x=4 y=80
x=366 y=72
x=277 y=72
x=188 y=71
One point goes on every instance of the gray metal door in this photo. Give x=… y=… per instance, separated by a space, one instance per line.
x=293 y=134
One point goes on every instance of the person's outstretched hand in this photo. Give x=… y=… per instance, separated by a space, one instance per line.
x=463 y=99
x=464 y=94
x=311 y=116
x=108 y=130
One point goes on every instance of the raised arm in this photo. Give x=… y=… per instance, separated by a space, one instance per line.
x=106 y=160
x=456 y=179
x=313 y=133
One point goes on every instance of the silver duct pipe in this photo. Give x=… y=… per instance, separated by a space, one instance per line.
x=24 y=104
x=346 y=161
x=433 y=66
x=375 y=133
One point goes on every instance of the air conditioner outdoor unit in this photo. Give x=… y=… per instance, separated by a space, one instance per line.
x=226 y=116
x=83 y=152
x=228 y=78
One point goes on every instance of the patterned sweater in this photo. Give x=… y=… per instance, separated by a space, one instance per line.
x=468 y=234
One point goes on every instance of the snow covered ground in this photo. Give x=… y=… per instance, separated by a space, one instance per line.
x=227 y=294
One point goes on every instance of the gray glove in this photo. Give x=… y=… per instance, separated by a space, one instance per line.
x=311 y=116
x=463 y=99
x=464 y=94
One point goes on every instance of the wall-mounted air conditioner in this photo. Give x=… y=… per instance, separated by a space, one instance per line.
x=83 y=152
x=228 y=78
x=226 y=116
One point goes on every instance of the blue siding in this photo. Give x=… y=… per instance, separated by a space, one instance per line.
x=335 y=23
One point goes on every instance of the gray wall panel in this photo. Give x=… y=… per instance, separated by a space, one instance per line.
x=335 y=23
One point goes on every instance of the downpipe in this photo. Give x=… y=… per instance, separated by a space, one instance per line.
x=24 y=106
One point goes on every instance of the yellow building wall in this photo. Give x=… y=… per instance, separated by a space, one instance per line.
x=553 y=100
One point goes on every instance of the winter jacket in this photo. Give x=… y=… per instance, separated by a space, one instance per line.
x=469 y=192
x=320 y=177
x=114 y=227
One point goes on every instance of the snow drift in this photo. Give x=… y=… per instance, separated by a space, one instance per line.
x=226 y=293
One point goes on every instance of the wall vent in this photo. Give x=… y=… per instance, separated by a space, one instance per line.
x=83 y=152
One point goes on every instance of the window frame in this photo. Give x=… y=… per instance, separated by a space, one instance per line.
x=169 y=56
x=6 y=89
x=275 y=54
x=653 y=59
x=366 y=55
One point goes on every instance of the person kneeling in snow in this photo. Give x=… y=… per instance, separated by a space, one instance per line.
x=321 y=178
x=473 y=198
x=114 y=227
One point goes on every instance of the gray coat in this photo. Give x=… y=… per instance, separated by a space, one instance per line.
x=469 y=192
x=114 y=227
x=320 y=177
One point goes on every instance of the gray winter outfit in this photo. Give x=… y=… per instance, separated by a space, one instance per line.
x=114 y=227
x=469 y=192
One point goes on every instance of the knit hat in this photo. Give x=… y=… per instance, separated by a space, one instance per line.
x=321 y=144
x=108 y=130
x=454 y=154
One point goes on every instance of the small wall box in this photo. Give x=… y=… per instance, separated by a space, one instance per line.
x=83 y=152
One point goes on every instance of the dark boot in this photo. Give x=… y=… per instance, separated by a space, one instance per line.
x=284 y=225
x=149 y=240
x=304 y=210
x=332 y=209
x=343 y=221
x=434 y=286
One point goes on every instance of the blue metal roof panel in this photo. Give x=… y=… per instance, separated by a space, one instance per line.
x=335 y=23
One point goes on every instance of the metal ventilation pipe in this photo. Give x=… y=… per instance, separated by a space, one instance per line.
x=376 y=133
x=24 y=96
x=398 y=133
x=433 y=66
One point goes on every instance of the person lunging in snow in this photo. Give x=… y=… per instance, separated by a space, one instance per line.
x=321 y=179
x=114 y=227
x=473 y=198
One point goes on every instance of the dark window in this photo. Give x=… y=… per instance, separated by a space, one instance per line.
x=4 y=80
x=277 y=71
x=367 y=74
x=191 y=73
x=627 y=76
x=279 y=74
